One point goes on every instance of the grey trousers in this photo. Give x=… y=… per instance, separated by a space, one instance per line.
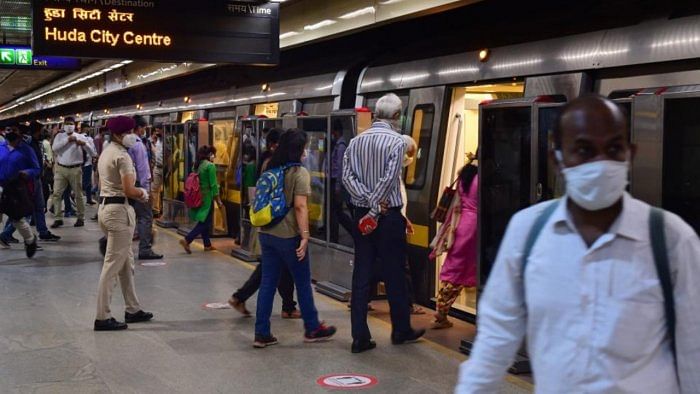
x=144 y=226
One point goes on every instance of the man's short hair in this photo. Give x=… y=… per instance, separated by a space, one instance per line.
x=140 y=121
x=387 y=106
x=69 y=119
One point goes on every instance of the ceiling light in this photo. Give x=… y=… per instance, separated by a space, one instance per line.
x=288 y=34
x=484 y=55
x=360 y=12
x=318 y=25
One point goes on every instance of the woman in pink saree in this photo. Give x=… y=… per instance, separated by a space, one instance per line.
x=457 y=236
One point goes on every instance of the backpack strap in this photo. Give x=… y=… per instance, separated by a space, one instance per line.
x=663 y=270
x=535 y=231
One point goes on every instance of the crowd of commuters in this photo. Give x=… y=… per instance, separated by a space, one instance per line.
x=601 y=285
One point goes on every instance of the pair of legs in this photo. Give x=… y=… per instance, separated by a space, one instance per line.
x=118 y=222
x=38 y=216
x=338 y=216
x=144 y=227
x=156 y=189
x=285 y=288
x=87 y=183
x=64 y=177
x=202 y=228
x=277 y=253
x=385 y=246
x=447 y=295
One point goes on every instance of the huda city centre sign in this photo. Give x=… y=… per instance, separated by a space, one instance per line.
x=210 y=31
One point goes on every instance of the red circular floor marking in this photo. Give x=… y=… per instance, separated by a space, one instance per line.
x=350 y=381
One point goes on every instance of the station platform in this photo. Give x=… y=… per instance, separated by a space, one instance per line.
x=47 y=344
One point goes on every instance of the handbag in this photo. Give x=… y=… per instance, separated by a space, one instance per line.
x=439 y=214
x=16 y=201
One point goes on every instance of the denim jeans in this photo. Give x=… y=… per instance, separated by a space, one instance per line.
x=275 y=253
x=202 y=228
x=285 y=288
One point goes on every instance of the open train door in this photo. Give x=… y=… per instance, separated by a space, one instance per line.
x=514 y=173
x=666 y=169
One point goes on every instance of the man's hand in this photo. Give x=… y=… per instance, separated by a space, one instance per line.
x=367 y=224
x=383 y=207
x=409 y=227
x=72 y=138
x=144 y=195
x=80 y=142
x=301 y=250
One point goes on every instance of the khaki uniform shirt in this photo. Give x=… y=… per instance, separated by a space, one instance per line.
x=114 y=163
x=297 y=182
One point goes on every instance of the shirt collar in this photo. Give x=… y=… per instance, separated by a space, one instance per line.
x=631 y=223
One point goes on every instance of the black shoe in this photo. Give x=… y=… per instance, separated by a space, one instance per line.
x=12 y=240
x=137 y=317
x=103 y=245
x=150 y=256
x=264 y=341
x=57 y=224
x=94 y=218
x=31 y=248
x=109 y=325
x=79 y=223
x=410 y=338
x=4 y=243
x=49 y=237
x=361 y=346
x=90 y=202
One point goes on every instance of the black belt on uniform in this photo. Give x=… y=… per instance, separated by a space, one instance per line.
x=74 y=166
x=115 y=200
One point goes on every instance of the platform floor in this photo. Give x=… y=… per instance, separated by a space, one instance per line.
x=47 y=344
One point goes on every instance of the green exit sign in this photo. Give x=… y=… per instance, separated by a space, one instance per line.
x=23 y=57
x=7 y=56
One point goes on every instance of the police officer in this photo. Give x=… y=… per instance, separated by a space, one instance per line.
x=118 y=220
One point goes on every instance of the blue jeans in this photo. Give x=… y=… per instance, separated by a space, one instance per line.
x=87 y=182
x=39 y=216
x=275 y=253
x=202 y=228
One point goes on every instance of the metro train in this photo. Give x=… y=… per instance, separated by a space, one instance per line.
x=503 y=100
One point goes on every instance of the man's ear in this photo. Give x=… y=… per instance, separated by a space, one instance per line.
x=553 y=157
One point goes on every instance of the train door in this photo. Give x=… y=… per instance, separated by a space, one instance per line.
x=175 y=158
x=316 y=128
x=462 y=139
x=332 y=266
x=225 y=138
x=680 y=137
x=188 y=147
x=513 y=169
x=253 y=131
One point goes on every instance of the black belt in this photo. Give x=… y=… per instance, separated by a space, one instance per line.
x=115 y=200
x=75 y=166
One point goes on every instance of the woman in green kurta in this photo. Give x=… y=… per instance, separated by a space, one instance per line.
x=210 y=192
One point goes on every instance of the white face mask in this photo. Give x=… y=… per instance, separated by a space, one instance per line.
x=130 y=140
x=69 y=128
x=596 y=185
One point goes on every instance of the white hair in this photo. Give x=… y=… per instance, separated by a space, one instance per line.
x=387 y=107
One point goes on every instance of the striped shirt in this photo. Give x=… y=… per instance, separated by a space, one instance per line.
x=372 y=167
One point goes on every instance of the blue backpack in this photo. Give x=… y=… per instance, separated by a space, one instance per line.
x=270 y=204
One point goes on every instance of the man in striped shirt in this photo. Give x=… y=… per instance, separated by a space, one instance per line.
x=371 y=170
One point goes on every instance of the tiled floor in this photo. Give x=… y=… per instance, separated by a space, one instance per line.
x=47 y=344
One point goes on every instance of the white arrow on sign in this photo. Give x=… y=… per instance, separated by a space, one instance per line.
x=6 y=56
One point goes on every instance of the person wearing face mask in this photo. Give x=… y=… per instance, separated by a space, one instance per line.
x=18 y=169
x=68 y=147
x=602 y=285
x=371 y=170
x=209 y=187
x=144 y=213
x=117 y=219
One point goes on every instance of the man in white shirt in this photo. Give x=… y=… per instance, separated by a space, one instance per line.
x=587 y=296
x=68 y=147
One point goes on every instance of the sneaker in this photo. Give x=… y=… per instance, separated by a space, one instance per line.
x=31 y=248
x=49 y=237
x=12 y=240
x=79 y=223
x=322 y=333
x=109 y=325
x=57 y=224
x=264 y=341
x=239 y=306
x=295 y=314
x=137 y=317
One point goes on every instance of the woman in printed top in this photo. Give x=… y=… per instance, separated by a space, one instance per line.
x=209 y=187
x=286 y=243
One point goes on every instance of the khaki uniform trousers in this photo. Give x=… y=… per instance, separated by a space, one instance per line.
x=62 y=177
x=157 y=189
x=117 y=222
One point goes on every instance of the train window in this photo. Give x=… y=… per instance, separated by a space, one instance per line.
x=315 y=162
x=341 y=224
x=421 y=132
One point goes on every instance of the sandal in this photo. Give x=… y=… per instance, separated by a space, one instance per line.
x=440 y=324
x=186 y=246
x=416 y=310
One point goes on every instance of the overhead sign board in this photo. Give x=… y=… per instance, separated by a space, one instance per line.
x=207 y=31
x=22 y=58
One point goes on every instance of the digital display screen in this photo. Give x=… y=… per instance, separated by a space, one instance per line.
x=210 y=31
